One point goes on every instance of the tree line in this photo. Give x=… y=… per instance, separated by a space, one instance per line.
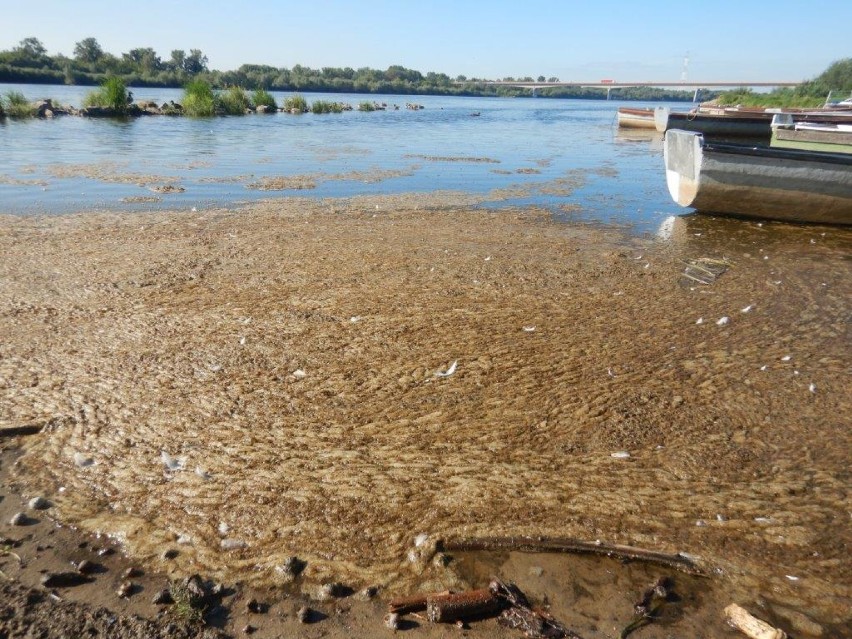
x=29 y=62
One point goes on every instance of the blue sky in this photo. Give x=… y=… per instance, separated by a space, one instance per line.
x=574 y=40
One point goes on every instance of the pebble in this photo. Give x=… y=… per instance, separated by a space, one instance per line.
x=125 y=589
x=623 y=454
x=303 y=614
x=162 y=597
x=171 y=553
x=330 y=591
x=18 y=519
x=392 y=621
x=85 y=567
x=38 y=503
x=63 y=579
x=368 y=593
x=83 y=460
x=132 y=572
x=249 y=629
x=232 y=544
x=254 y=606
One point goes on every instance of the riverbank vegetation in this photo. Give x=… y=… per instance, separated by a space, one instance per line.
x=29 y=62
x=836 y=80
x=112 y=94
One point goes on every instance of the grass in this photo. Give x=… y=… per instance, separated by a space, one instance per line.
x=112 y=94
x=233 y=101
x=786 y=98
x=296 y=103
x=198 y=100
x=324 y=106
x=186 y=606
x=17 y=106
x=366 y=105
x=262 y=97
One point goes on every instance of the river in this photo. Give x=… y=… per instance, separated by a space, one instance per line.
x=560 y=154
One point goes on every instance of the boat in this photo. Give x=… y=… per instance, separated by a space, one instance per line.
x=811 y=136
x=733 y=122
x=756 y=181
x=720 y=124
x=629 y=118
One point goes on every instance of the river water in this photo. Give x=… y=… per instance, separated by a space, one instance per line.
x=516 y=151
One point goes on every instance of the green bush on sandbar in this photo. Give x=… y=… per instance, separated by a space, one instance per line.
x=261 y=97
x=366 y=105
x=198 y=100
x=17 y=106
x=296 y=104
x=112 y=94
x=234 y=101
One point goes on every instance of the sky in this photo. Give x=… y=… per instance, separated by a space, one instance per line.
x=573 y=40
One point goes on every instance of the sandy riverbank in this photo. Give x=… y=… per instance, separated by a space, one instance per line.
x=285 y=357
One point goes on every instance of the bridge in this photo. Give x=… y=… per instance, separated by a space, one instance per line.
x=609 y=85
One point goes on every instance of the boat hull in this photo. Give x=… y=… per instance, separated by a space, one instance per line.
x=727 y=126
x=812 y=140
x=758 y=182
x=636 y=118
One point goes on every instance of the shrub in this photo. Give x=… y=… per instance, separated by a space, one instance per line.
x=112 y=94
x=198 y=99
x=264 y=98
x=366 y=105
x=234 y=101
x=296 y=103
x=324 y=106
x=17 y=106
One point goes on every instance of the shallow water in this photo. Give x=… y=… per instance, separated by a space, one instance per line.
x=536 y=151
x=130 y=336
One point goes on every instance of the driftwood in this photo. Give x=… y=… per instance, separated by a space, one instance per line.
x=448 y=608
x=569 y=545
x=751 y=626
x=649 y=606
x=405 y=605
x=505 y=599
x=520 y=615
x=19 y=431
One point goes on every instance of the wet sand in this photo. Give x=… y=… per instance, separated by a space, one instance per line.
x=290 y=360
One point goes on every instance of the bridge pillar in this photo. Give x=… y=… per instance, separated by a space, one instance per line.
x=696 y=94
x=608 y=91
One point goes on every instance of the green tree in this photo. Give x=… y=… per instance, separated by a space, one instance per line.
x=88 y=51
x=195 y=62
x=31 y=48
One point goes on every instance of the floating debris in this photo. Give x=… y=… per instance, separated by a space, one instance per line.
x=704 y=270
x=529 y=329
x=786 y=358
x=722 y=321
x=751 y=626
x=449 y=371
x=622 y=454
x=171 y=463
x=812 y=388
x=747 y=308
x=83 y=461
x=202 y=473
x=299 y=374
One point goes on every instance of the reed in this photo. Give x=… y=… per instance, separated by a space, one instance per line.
x=112 y=94
x=233 y=101
x=325 y=106
x=198 y=99
x=17 y=106
x=296 y=104
x=261 y=97
x=366 y=105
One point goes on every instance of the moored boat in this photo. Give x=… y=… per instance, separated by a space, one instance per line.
x=753 y=125
x=760 y=182
x=629 y=118
x=810 y=136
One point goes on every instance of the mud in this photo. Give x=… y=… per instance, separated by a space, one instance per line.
x=291 y=358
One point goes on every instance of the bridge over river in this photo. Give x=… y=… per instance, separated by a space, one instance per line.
x=609 y=85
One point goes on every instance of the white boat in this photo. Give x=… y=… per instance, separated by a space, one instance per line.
x=759 y=182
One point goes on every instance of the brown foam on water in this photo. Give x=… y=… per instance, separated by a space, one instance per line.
x=291 y=355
